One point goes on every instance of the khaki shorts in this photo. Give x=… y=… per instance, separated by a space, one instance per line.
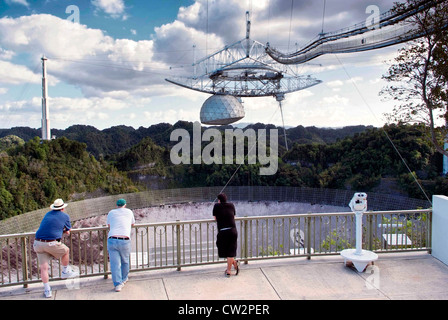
x=47 y=250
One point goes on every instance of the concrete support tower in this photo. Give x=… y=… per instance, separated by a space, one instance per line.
x=46 y=134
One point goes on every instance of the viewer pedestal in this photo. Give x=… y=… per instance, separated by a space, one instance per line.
x=360 y=261
x=360 y=258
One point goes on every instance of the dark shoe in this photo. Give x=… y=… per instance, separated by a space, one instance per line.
x=226 y=274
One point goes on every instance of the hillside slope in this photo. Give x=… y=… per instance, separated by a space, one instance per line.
x=34 y=174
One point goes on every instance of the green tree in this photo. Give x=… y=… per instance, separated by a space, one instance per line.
x=6 y=202
x=419 y=75
x=32 y=175
x=10 y=141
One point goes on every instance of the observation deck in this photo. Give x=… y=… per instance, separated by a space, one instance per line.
x=400 y=276
x=289 y=256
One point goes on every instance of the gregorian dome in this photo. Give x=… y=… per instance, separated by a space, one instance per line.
x=221 y=110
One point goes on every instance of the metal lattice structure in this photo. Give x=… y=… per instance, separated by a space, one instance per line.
x=244 y=69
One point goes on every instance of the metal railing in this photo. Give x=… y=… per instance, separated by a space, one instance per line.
x=179 y=244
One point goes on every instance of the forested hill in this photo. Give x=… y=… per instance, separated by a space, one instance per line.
x=35 y=173
x=110 y=141
x=84 y=161
x=122 y=159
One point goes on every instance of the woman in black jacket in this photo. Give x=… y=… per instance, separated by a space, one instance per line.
x=224 y=213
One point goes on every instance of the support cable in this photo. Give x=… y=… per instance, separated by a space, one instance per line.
x=290 y=23
x=323 y=17
x=239 y=166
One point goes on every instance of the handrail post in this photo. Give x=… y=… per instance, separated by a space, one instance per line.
x=245 y=242
x=105 y=253
x=178 y=245
x=24 y=262
x=429 y=233
x=308 y=237
x=370 y=221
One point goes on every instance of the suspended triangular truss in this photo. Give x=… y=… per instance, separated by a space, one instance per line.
x=244 y=69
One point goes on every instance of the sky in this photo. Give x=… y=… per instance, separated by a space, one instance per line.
x=108 y=60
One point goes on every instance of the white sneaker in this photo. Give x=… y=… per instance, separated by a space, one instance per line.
x=69 y=273
x=119 y=287
x=47 y=293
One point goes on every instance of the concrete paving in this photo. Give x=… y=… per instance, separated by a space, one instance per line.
x=395 y=276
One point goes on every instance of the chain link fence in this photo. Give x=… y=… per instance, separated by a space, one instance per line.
x=94 y=207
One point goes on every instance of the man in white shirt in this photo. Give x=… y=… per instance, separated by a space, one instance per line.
x=120 y=222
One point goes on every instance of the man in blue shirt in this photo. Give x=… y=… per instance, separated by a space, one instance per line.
x=48 y=243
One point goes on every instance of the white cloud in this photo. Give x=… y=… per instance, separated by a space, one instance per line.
x=21 y=2
x=175 y=40
x=16 y=74
x=190 y=14
x=43 y=33
x=258 y=104
x=355 y=79
x=335 y=100
x=22 y=106
x=375 y=81
x=6 y=54
x=81 y=56
x=170 y=114
x=65 y=111
x=224 y=19
x=336 y=83
x=114 y=8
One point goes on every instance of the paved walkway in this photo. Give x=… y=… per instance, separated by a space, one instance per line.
x=397 y=276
